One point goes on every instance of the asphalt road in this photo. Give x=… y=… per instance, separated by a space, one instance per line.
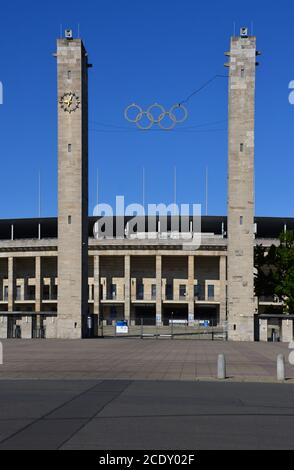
x=125 y=414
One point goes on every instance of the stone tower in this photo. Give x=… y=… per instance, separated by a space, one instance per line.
x=241 y=305
x=72 y=67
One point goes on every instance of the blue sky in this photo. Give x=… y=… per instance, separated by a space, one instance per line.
x=144 y=51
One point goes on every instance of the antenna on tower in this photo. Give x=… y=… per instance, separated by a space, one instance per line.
x=39 y=195
x=78 y=30
x=60 y=31
x=143 y=188
x=234 y=28
x=206 y=191
x=97 y=187
x=175 y=185
x=39 y=205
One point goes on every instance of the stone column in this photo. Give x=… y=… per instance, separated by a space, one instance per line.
x=11 y=284
x=73 y=230
x=26 y=327
x=159 y=290
x=3 y=327
x=223 y=289
x=191 y=305
x=128 y=288
x=262 y=330
x=96 y=289
x=38 y=290
x=240 y=227
x=287 y=331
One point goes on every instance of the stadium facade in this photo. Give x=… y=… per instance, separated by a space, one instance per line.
x=58 y=281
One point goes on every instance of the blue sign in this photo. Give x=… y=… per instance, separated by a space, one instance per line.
x=122 y=327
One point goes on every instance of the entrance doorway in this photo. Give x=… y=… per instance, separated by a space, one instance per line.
x=13 y=328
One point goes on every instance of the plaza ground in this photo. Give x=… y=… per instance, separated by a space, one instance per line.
x=136 y=359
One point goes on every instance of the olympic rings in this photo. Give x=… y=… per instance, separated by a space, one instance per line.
x=172 y=119
x=158 y=106
x=148 y=126
x=158 y=117
x=184 y=110
x=139 y=115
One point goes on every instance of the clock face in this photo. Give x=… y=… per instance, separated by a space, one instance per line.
x=69 y=102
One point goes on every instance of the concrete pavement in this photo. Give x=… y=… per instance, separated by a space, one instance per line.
x=136 y=359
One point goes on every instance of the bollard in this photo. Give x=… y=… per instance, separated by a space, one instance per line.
x=280 y=367
x=221 y=367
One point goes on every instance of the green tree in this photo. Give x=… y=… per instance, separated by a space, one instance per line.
x=264 y=262
x=275 y=270
x=284 y=270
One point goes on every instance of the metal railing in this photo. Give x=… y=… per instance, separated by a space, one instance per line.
x=145 y=328
x=269 y=298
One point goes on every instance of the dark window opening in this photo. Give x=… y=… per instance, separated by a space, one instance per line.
x=210 y=292
x=140 y=291
x=182 y=291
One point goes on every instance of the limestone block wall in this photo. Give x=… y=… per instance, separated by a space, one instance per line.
x=287 y=331
x=263 y=334
x=50 y=324
x=3 y=327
